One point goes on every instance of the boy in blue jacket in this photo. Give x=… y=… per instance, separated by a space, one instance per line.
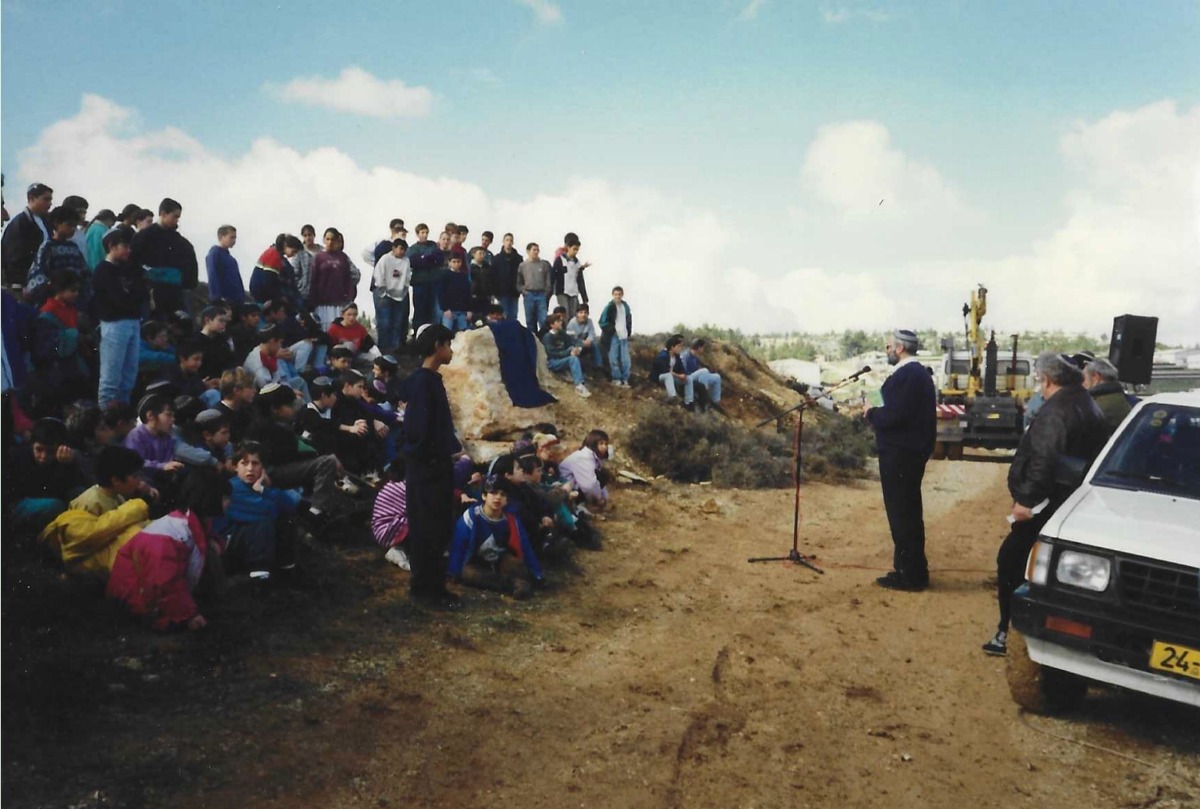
x=260 y=529
x=490 y=549
x=224 y=275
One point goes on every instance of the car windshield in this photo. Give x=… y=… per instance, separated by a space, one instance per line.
x=1158 y=451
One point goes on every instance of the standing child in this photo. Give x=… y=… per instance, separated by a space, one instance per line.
x=533 y=281
x=616 y=324
x=224 y=276
x=506 y=265
x=455 y=297
x=569 y=288
x=121 y=293
x=392 y=276
x=429 y=447
x=55 y=256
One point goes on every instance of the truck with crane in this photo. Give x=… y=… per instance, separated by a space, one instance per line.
x=982 y=398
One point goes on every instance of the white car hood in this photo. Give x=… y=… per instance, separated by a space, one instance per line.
x=1156 y=526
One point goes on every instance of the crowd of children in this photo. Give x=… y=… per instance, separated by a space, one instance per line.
x=148 y=445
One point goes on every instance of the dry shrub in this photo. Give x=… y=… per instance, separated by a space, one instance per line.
x=690 y=447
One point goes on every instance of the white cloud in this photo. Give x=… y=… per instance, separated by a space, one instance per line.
x=1130 y=241
x=544 y=11
x=751 y=9
x=358 y=92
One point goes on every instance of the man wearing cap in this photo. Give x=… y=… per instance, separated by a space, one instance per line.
x=1101 y=380
x=905 y=430
x=24 y=235
x=1068 y=425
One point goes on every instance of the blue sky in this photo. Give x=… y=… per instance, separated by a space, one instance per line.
x=712 y=105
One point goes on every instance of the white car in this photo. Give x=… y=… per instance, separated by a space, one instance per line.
x=1113 y=591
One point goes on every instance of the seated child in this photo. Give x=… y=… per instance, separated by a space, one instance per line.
x=154 y=440
x=155 y=354
x=362 y=428
x=583 y=332
x=667 y=370
x=317 y=426
x=244 y=333
x=207 y=442
x=562 y=353
x=534 y=511
x=260 y=532
x=157 y=571
x=237 y=402
x=102 y=520
x=266 y=365
x=347 y=331
x=43 y=479
x=184 y=375
x=582 y=467
x=490 y=549
x=338 y=361
x=389 y=518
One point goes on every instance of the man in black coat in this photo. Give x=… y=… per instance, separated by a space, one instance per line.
x=905 y=430
x=23 y=236
x=1068 y=425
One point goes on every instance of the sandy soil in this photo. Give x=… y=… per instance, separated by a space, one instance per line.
x=662 y=671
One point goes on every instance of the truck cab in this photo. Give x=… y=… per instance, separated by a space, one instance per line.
x=1113 y=590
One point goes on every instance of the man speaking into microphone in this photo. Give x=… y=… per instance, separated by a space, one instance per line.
x=905 y=431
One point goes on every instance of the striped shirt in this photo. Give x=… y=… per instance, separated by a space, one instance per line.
x=389 y=520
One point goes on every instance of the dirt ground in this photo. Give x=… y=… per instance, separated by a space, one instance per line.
x=662 y=671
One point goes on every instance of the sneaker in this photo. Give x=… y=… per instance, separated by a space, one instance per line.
x=582 y=390
x=689 y=407
x=398 y=558
x=347 y=486
x=373 y=478
x=998 y=645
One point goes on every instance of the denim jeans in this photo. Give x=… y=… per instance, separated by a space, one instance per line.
x=535 y=311
x=391 y=321
x=711 y=381
x=119 y=341
x=509 y=304
x=669 y=381
x=571 y=363
x=456 y=321
x=618 y=358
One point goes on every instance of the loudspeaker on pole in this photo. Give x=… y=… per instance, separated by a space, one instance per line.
x=1131 y=349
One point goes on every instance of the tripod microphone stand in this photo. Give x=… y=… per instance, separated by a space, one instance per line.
x=794 y=556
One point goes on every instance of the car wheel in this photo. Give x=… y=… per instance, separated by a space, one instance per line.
x=1037 y=688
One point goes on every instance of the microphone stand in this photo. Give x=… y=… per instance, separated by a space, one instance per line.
x=794 y=556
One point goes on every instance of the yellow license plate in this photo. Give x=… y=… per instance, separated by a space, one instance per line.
x=1175 y=658
x=994 y=416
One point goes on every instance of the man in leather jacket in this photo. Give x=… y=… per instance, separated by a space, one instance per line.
x=1068 y=426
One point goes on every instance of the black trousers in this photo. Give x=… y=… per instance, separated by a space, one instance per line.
x=430 y=491
x=261 y=546
x=1012 y=559
x=900 y=473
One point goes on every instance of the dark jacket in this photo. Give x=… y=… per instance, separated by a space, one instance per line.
x=665 y=363
x=454 y=293
x=19 y=247
x=428 y=425
x=907 y=420
x=158 y=247
x=425 y=259
x=121 y=291
x=558 y=344
x=558 y=274
x=1110 y=398
x=1069 y=424
x=218 y=355
x=608 y=319
x=266 y=285
x=505 y=267
x=280 y=444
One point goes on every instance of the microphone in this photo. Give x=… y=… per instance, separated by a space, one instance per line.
x=859 y=372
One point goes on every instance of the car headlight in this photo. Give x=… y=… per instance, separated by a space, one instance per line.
x=1084 y=570
x=1038 y=569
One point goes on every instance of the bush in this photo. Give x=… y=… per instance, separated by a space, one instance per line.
x=690 y=448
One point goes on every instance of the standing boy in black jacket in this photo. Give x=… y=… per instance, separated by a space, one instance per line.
x=121 y=296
